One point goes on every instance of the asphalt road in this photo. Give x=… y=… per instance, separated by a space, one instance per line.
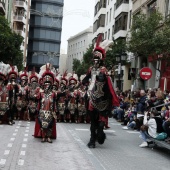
x=19 y=150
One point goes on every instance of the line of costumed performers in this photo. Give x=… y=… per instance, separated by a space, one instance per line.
x=48 y=97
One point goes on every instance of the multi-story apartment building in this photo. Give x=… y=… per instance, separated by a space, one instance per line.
x=77 y=46
x=147 y=7
x=20 y=25
x=45 y=32
x=112 y=18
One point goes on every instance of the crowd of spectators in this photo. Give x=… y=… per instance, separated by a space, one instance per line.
x=147 y=111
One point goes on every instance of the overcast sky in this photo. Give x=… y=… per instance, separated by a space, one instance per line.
x=78 y=15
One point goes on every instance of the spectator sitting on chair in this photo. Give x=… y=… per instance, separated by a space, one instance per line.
x=151 y=128
x=141 y=102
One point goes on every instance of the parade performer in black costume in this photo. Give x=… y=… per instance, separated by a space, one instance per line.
x=102 y=96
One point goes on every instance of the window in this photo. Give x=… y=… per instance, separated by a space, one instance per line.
x=108 y=34
x=112 y=30
x=110 y=14
x=152 y=7
x=130 y=18
x=105 y=35
x=167 y=7
x=107 y=18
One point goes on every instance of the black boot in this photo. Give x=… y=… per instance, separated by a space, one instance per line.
x=101 y=136
x=91 y=144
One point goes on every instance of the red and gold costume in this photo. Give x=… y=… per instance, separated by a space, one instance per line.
x=22 y=98
x=13 y=91
x=33 y=93
x=4 y=107
x=62 y=100
x=46 y=123
x=102 y=96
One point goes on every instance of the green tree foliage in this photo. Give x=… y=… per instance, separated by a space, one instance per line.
x=116 y=48
x=150 y=35
x=82 y=67
x=10 y=43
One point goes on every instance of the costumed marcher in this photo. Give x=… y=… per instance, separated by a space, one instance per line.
x=73 y=98
x=13 y=90
x=64 y=113
x=22 y=98
x=33 y=93
x=102 y=95
x=45 y=125
x=81 y=107
x=4 y=107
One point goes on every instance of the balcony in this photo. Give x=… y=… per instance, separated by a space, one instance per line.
x=2 y=8
x=20 y=4
x=124 y=7
x=20 y=32
x=120 y=34
x=20 y=18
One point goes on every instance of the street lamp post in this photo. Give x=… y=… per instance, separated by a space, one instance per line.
x=119 y=58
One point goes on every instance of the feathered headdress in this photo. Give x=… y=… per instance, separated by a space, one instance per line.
x=4 y=69
x=73 y=79
x=33 y=74
x=47 y=69
x=98 y=47
x=23 y=73
x=13 y=70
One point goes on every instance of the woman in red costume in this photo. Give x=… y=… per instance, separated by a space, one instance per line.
x=46 y=126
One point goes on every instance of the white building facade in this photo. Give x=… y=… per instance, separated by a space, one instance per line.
x=77 y=46
x=112 y=18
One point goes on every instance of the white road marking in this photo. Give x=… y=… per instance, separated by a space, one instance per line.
x=116 y=124
x=2 y=161
x=21 y=162
x=132 y=131
x=25 y=139
x=19 y=124
x=18 y=127
x=82 y=129
x=6 y=152
x=16 y=130
x=26 y=135
x=28 y=122
x=27 y=127
x=14 y=134
x=12 y=139
x=1 y=126
x=9 y=145
x=20 y=121
x=110 y=131
x=24 y=145
x=22 y=153
x=26 y=130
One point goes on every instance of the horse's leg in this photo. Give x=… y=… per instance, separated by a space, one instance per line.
x=94 y=122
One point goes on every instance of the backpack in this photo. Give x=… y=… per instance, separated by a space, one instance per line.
x=161 y=136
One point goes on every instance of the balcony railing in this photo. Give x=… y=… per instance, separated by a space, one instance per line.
x=120 y=2
x=20 y=18
x=20 y=4
x=20 y=32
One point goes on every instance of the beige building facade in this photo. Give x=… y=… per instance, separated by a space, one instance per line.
x=147 y=7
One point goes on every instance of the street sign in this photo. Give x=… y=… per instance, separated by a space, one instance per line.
x=145 y=73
